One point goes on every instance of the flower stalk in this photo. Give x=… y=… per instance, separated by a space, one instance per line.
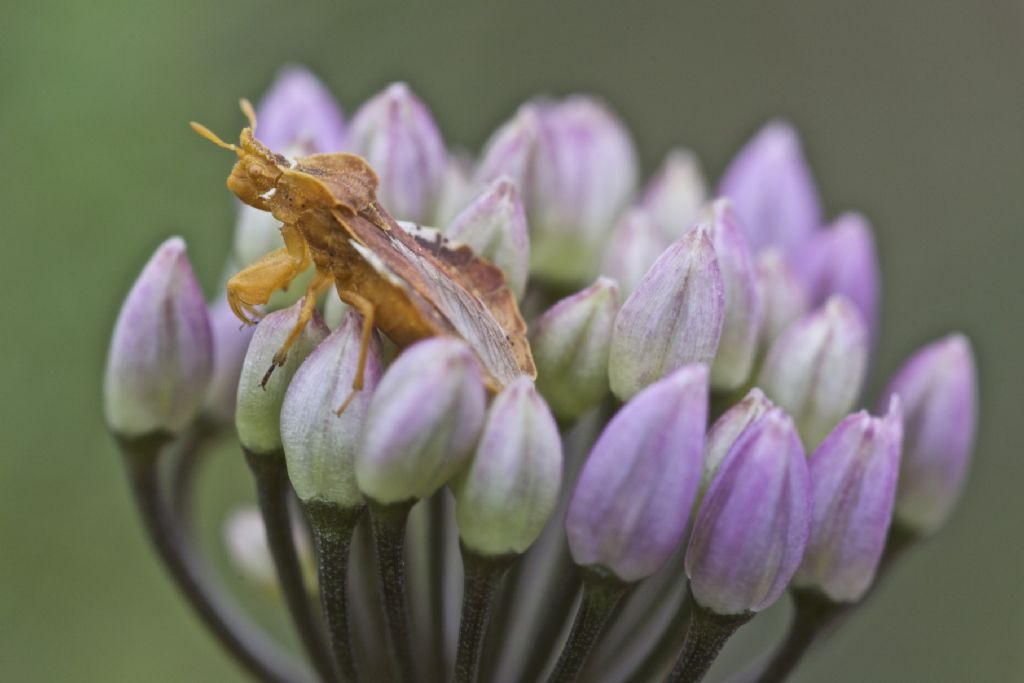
x=270 y=474
x=332 y=526
x=705 y=637
x=483 y=576
x=251 y=648
x=387 y=523
x=602 y=592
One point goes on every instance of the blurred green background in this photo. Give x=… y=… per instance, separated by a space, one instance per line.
x=912 y=112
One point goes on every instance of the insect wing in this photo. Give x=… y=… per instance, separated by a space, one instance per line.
x=418 y=256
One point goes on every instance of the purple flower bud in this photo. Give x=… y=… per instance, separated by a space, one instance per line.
x=842 y=260
x=938 y=389
x=510 y=488
x=738 y=343
x=423 y=422
x=494 y=226
x=773 y=190
x=161 y=352
x=754 y=520
x=398 y=136
x=319 y=445
x=575 y=165
x=853 y=484
x=815 y=369
x=634 y=245
x=784 y=296
x=728 y=429
x=230 y=341
x=676 y=193
x=632 y=502
x=258 y=409
x=570 y=343
x=299 y=116
x=673 y=318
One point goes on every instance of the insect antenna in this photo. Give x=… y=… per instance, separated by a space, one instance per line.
x=249 y=112
x=212 y=137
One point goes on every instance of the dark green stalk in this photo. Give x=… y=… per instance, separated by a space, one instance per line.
x=193 y=446
x=815 y=617
x=369 y=632
x=659 y=657
x=272 y=492
x=813 y=613
x=705 y=637
x=250 y=647
x=601 y=593
x=388 y=525
x=559 y=595
x=332 y=527
x=482 y=578
x=437 y=538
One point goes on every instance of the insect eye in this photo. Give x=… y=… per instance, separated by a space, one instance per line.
x=256 y=171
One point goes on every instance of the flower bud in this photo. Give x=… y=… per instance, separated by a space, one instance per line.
x=675 y=194
x=319 y=445
x=738 y=343
x=230 y=341
x=574 y=163
x=634 y=245
x=754 y=520
x=510 y=488
x=938 y=389
x=398 y=136
x=632 y=501
x=771 y=186
x=423 y=422
x=161 y=352
x=843 y=260
x=673 y=318
x=853 y=483
x=728 y=429
x=570 y=343
x=784 y=297
x=494 y=226
x=299 y=116
x=245 y=538
x=815 y=369
x=258 y=410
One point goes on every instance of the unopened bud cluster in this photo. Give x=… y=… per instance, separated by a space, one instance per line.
x=706 y=349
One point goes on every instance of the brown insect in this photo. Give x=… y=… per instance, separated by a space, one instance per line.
x=407 y=281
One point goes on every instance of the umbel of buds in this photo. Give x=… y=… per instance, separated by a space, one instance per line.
x=695 y=446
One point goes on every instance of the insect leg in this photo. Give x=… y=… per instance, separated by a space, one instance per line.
x=365 y=308
x=319 y=283
x=254 y=284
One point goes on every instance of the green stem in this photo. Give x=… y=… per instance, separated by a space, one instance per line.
x=332 y=527
x=601 y=593
x=250 y=647
x=815 y=617
x=272 y=492
x=705 y=637
x=482 y=578
x=813 y=613
x=659 y=657
x=193 y=447
x=388 y=525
